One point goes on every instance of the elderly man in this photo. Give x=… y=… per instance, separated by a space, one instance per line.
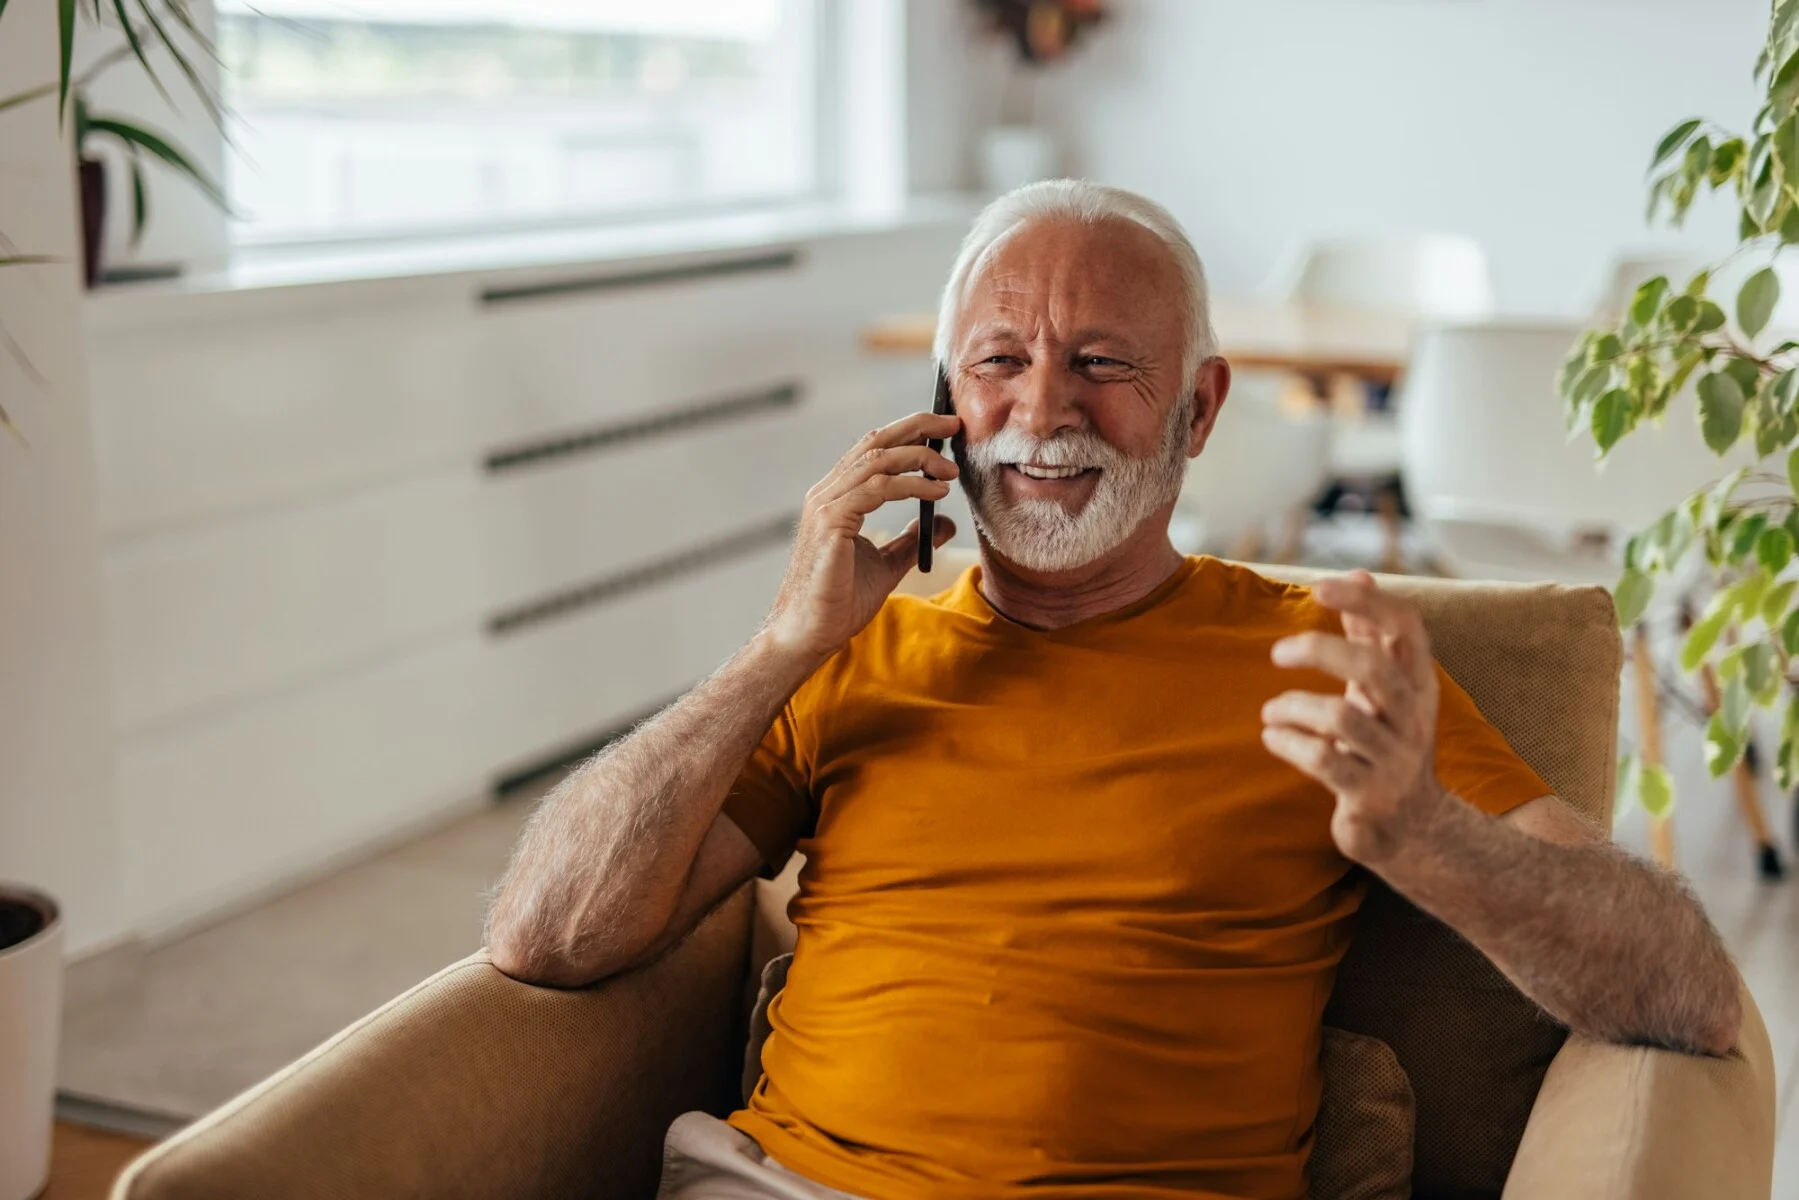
x=1081 y=831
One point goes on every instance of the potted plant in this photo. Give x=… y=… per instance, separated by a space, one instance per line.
x=137 y=141
x=30 y=1014
x=146 y=27
x=1017 y=150
x=1676 y=345
x=31 y=931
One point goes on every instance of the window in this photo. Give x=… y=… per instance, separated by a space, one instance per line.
x=375 y=118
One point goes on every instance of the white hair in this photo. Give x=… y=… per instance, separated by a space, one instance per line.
x=1091 y=203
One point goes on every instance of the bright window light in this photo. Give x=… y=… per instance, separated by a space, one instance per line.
x=383 y=118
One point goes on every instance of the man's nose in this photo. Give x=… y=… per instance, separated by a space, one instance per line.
x=1048 y=400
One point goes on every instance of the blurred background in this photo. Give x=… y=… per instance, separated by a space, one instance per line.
x=442 y=398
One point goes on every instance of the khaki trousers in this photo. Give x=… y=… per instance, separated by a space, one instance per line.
x=705 y=1159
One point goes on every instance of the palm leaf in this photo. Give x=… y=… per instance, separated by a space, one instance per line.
x=211 y=105
x=140 y=204
x=26 y=97
x=65 y=14
x=137 y=47
x=180 y=11
x=157 y=145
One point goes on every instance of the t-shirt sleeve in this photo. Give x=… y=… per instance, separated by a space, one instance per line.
x=771 y=801
x=1474 y=761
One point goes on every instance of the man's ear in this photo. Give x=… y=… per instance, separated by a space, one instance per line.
x=1210 y=389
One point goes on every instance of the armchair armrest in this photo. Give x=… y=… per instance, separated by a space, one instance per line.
x=473 y=1084
x=1630 y=1123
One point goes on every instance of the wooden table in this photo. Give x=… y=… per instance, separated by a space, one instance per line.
x=1252 y=333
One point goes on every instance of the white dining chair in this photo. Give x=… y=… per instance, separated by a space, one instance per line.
x=1419 y=276
x=1632 y=271
x=1267 y=460
x=1502 y=492
x=1430 y=276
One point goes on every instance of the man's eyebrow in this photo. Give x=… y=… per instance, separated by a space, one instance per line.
x=1088 y=337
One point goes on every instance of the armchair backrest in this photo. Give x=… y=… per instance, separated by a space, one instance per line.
x=1542 y=663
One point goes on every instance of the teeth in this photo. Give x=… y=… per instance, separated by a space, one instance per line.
x=1036 y=472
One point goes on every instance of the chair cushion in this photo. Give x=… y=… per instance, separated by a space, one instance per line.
x=1362 y=1146
x=1363 y=1141
x=1542 y=663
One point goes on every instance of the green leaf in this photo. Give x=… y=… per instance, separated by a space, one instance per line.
x=1785 y=389
x=140 y=203
x=1734 y=711
x=65 y=17
x=1744 y=533
x=1611 y=419
x=137 y=48
x=1722 y=749
x=1702 y=637
x=1761 y=673
x=1591 y=383
x=1756 y=301
x=1681 y=313
x=1747 y=374
x=182 y=62
x=1573 y=367
x=156 y=144
x=1786 y=148
x=1769 y=428
x=1780 y=596
x=1727 y=158
x=1632 y=596
x=1605 y=348
x=1648 y=300
x=1655 y=790
x=1720 y=411
x=1793 y=471
x=1684 y=368
x=1710 y=317
x=1674 y=140
x=1774 y=549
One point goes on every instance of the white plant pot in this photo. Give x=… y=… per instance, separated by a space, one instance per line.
x=1014 y=155
x=30 y=1016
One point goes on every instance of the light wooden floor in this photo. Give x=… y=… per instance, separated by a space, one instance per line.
x=84 y=1162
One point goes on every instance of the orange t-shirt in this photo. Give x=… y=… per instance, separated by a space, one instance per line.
x=1065 y=925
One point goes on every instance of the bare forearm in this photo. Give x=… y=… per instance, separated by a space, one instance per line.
x=1606 y=943
x=602 y=866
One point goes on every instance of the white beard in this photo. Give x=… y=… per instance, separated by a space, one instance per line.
x=1043 y=535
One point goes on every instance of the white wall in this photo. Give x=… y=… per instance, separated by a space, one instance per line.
x=58 y=829
x=1526 y=123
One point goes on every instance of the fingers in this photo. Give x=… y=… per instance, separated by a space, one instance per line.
x=1365 y=664
x=1361 y=600
x=848 y=509
x=875 y=461
x=1335 y=719
x=907 y=431
x=902 y=552
x=1318 y=757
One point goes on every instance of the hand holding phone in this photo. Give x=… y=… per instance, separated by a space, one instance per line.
x=941 y=405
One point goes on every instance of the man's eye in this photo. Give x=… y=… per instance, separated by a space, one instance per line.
x=1000 y=358
x=1099 y=360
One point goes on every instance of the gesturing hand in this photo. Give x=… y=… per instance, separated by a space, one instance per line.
x=837 y=579
x=1374 y=745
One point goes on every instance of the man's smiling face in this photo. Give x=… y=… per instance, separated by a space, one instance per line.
x=1068 y=370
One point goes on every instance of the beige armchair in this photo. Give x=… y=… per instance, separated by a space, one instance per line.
x=474 y=1085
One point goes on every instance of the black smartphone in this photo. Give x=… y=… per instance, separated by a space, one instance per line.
x=927 y=509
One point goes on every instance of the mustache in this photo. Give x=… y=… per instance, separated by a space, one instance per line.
x=1070 y=448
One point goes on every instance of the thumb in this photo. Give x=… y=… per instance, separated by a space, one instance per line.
x=901 y=554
